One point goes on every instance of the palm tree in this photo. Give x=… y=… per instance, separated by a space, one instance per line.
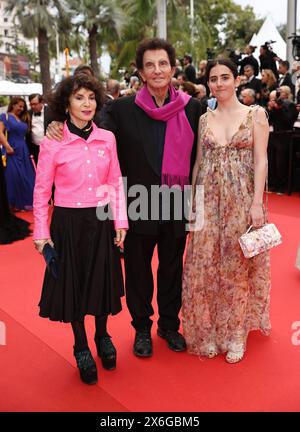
x=37 y=18
x=102 y=19
x=140 y=24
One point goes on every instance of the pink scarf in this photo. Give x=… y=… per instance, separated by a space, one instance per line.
x=179 y=134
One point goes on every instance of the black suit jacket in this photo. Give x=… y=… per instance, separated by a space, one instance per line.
x=283 y=119
x=249 y=60
x=254 y=84
x=287 y=81
x=190 y=73
x=137 y=154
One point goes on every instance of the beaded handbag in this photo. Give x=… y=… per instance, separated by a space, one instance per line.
x=259 y=240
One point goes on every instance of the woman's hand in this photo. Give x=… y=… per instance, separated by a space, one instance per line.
x=39 y=244
x=9 y=150
x=55 y=131
x=120 y=236
x=257 y=215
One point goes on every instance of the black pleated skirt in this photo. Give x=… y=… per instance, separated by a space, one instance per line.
x=90 y=275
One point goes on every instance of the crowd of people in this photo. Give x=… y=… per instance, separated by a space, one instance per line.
x=274 y=90
x=167 y=126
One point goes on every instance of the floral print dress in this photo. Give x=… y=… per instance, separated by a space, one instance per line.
x=224 y=294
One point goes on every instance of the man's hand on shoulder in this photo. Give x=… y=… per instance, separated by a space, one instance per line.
x=55 y=131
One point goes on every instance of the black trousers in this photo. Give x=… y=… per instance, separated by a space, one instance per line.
x=278 y=157
x=138 y=252
x=35 y=153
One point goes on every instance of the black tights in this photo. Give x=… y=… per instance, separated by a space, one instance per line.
x=80 y=337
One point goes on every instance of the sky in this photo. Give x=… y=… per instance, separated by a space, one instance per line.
x=276 y=8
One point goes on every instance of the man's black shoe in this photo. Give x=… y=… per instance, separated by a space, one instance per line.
x=176 y=341
x=142 y=346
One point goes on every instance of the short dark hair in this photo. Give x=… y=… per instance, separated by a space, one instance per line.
x=154 y=44
x=252 y=47
x=112 y=86
x=181 y=73
x=189 y=88
x=249 y=66
x=34 y=95
x=58 y=100
x=84 y=68
x=188 y=57
x=285 y=63
x=222 y=61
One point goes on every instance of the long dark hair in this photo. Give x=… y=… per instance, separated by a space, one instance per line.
x=222 y=61
x=24 y=116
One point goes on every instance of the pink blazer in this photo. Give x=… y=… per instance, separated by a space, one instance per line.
x=85 y=173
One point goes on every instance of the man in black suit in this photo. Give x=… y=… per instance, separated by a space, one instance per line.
x=282 y=116
x=252 y=82
x=39 y=122
x=189 y=69
x=141 y=145
x=285 y=78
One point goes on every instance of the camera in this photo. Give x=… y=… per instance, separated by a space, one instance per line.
x=210 y=54
x=296 y=46
x=267 y=44
x=234 y=55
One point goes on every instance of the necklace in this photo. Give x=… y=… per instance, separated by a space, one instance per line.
x=87 y=128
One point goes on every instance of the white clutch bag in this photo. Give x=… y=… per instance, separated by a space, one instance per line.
x=259 y=240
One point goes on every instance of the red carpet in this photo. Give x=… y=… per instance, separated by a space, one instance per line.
x=38 y=372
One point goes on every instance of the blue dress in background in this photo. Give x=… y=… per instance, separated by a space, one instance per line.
x=19 y=171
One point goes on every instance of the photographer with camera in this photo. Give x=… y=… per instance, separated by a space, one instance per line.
x=296 y=45
x=268 y=58
x=282 y=116
x=234 y=55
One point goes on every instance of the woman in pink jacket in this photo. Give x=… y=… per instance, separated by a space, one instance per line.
x=89 y=193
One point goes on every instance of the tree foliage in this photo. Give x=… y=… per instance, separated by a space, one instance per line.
x=85 y=26
x=101 y=20
x=38 y=18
